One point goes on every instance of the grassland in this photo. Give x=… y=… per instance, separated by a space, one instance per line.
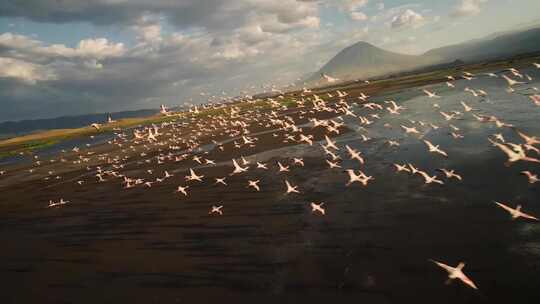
x=45 y=139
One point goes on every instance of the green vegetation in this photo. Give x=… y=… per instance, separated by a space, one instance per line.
x=41 y=140
x=28 y=147
x=288 y=102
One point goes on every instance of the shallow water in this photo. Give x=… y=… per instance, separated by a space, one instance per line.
x=400 y=218
x=372 y=246
x=66 y=145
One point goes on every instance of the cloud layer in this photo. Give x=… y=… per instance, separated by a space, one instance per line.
x=178 y=51
x=213 y=46
x=468 y=8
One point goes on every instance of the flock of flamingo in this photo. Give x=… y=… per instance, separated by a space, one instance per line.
x=180 y=140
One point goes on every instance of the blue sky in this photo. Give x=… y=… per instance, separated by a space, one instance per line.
x=74 y=57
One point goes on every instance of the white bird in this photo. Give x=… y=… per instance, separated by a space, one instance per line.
x=400 y=168
x=163 y=110
x=414 y=170
x=447 y=116
x=435 y=149
x=536 y=99
x=317 y=208
x=456 y=273
x=530 y=140
x=60 y=203
x=238 y=168
x=353 y=154
x=254 y=184
x=333 y=164
x=291 y=188
x=261 y=166
x=360 y=177
x=499 y=137
x=533 y=178
x=451 y=174
x=431 y=94
x=197 y=159
x=306 y=139
x=392 y=143
x=194 y=176
x=511 y=82
x=430 y=179
x=328 y=78
x=482 y=93
x=531 y=148
x=221 y=181
x=182 y=190
x=466 y=107
x=410 y=130
x=516 y=213
x=512 y=155
x=282 y=168
x=330 y=143
x=216 y=210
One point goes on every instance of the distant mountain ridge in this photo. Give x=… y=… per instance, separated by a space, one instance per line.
x=15 y=128
x=363 y=60
x=368 y=60
x=506 y=44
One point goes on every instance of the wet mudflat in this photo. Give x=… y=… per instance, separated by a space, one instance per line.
x=153 y=245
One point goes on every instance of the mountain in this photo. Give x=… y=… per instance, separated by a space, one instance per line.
x=503 y=45
x=363 y=60
x=366 y=60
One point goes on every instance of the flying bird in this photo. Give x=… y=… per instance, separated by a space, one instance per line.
x=456 y=273
x=435 y=149
x=533 y=178
x=216 y=210
x=516 y=212
x=291 y=188
x=431 y=94
x=317 y=207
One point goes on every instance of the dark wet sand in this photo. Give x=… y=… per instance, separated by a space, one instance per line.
x=139 y=245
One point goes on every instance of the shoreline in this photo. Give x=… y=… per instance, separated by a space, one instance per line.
x=27 y=144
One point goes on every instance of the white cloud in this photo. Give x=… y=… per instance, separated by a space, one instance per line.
x=17 y=41
x=352 y=5
x=260 y=46
x=408 y=18
x=468 y=8
x=358 y=16
x=93 y=64
x=351 y=8
x=98 y=48
x=25 y=71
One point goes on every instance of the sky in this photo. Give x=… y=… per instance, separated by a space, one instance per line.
x=71 y=57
